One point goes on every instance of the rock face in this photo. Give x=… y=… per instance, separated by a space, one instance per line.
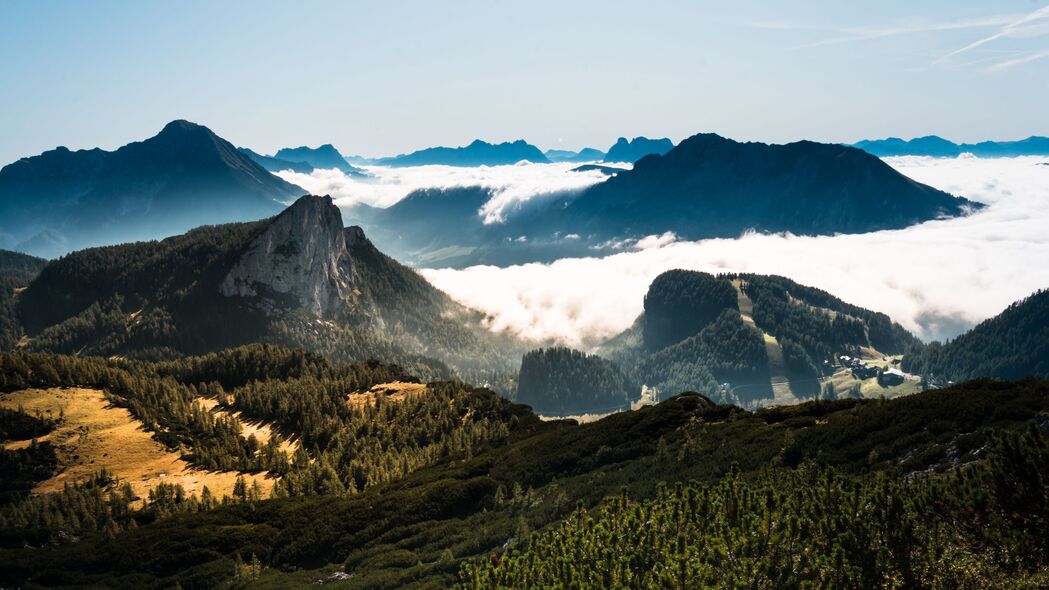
x=303 y=255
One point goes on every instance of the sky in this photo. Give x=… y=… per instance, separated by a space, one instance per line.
x=381 y=78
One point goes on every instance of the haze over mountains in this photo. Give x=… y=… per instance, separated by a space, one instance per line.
x=275 y=164
x=932 y=145
x=583 y=155
x=183 y=177
x=707 y=186
x=325 y=156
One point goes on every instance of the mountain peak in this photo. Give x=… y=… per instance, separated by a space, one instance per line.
x=324 y=156
x=181 y=126
x=355 y=236
x=633 y=150
x=302 y=254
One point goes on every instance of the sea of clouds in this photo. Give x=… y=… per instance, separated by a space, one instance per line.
x=937 y=279
x=511 y=185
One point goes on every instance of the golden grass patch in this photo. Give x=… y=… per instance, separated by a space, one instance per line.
x=94 y=434
x=263 y=432
x=393 y=391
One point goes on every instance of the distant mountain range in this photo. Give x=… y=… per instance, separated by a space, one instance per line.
x=183 y=177
x=932 y=145
x=275 y=164
x=633 y=150
x=325 y=156
x=583 y=155
x=478 y=153
x=707 y=186
x=298 y=279
x=1011 y=345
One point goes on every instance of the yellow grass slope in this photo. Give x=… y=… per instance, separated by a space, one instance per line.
x=94 y=434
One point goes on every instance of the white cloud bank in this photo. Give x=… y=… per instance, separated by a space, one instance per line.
x=511 y=185
x=937 y=278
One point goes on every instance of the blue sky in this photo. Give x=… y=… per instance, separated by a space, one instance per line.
x=380 y=78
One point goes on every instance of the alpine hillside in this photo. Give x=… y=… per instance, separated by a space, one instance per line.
x=299 y=279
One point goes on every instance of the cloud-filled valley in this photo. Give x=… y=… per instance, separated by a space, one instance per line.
x=511 y=185
x=937 y=278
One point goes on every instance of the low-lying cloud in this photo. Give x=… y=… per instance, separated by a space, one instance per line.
x=510 y=185
x=937 y=278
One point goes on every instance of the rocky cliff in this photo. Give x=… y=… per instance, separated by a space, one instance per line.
x=302 y=255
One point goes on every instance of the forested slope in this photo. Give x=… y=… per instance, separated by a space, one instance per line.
x=1011 y=345
x=492 y=489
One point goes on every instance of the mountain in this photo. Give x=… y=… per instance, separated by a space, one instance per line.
x=1011 y=345
x=606 y=170
x=637 y=148
x=930 y=145
x=765 y=336
x=583 y=155
x=478 y=153
x=297 y=279
x=276 y=165
x=705 y=187
x=709 y=186
x=183 y=177
x=937 y=146
x=325 y=156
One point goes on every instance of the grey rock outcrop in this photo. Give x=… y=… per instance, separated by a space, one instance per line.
x=302 y=255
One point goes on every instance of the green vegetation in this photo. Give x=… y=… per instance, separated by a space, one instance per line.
x=813 y=326
x=342 y=449
x=680 y=303
x=692 y=335
x=1011 y=345
x=418 y=527
x=102 y=506
x=562 y=381
x=21 y=469
x=16 y=270
x=726 y=350
x=982 y=526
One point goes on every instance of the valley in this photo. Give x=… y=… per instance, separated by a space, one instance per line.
x=437 y=295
